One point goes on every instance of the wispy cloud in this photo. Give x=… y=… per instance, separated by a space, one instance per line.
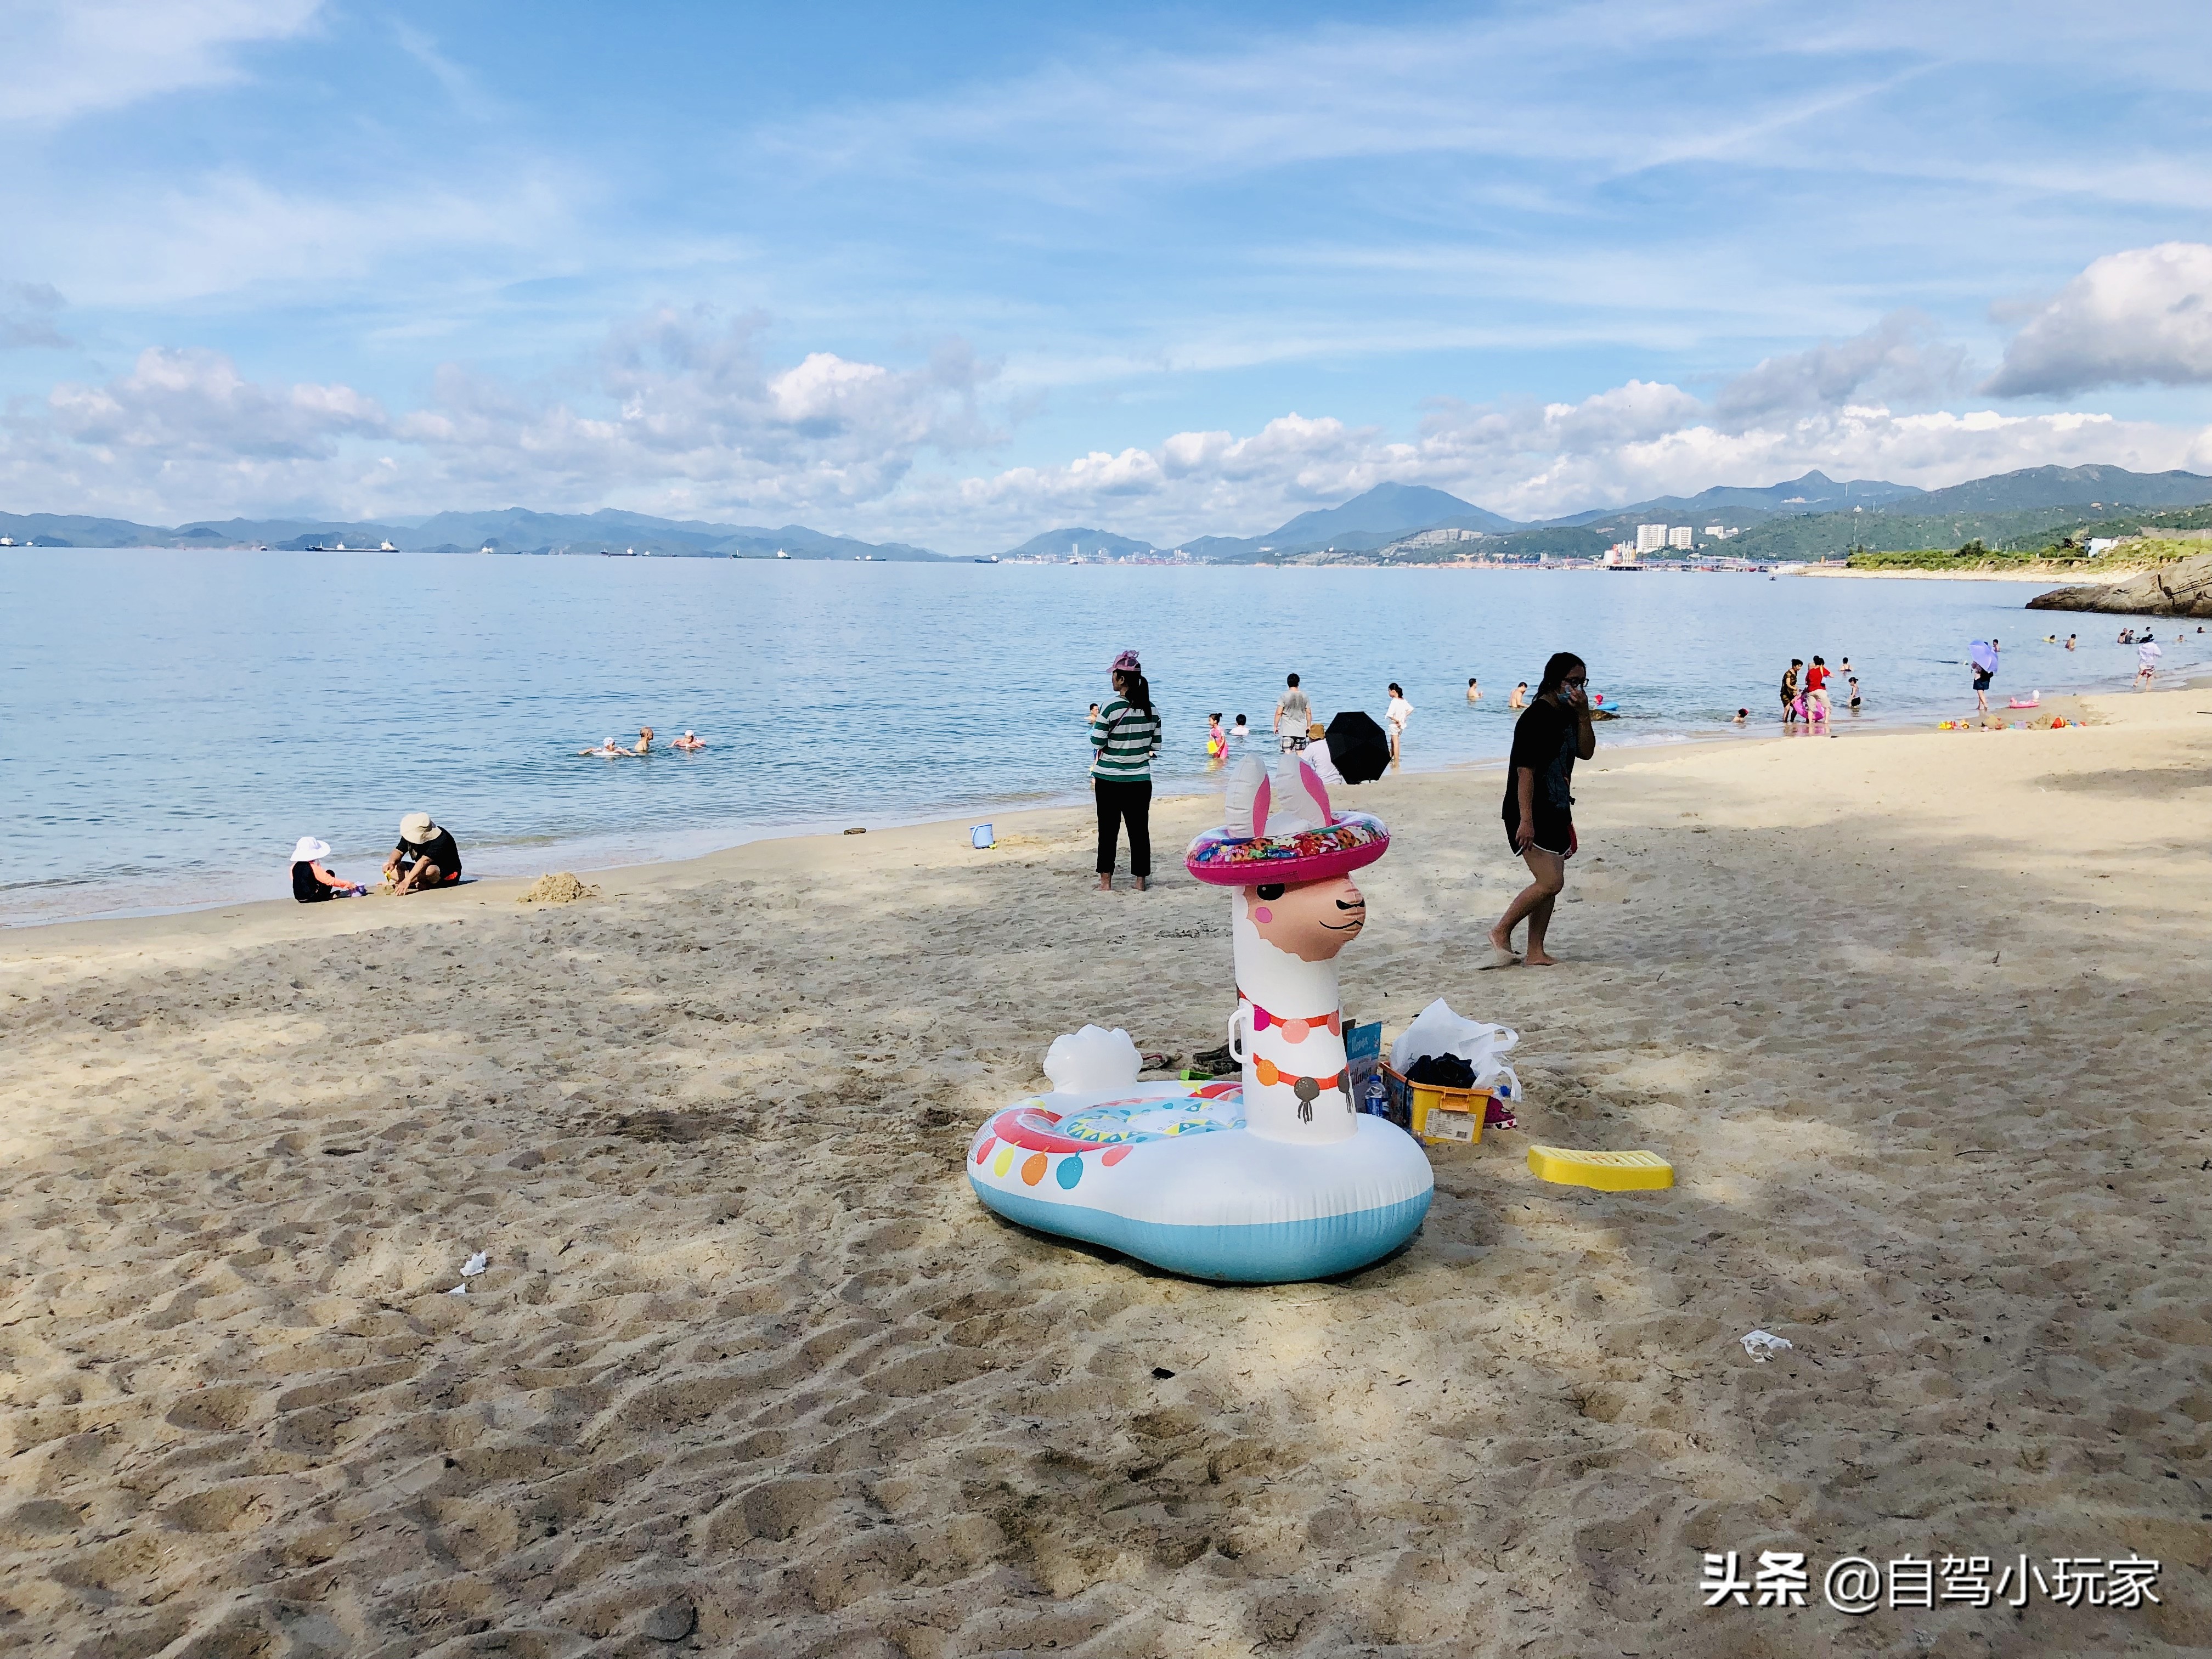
x=28 y=313
x=66 y=58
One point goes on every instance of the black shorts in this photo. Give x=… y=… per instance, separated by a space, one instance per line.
x=1553 y=836
x=1982 y=680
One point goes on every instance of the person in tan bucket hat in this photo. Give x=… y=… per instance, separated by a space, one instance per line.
x=426 y=857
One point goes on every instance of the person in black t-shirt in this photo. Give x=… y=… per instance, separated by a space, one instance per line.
x=1550 y=737
x=426 y=857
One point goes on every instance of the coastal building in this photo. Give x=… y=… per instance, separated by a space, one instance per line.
x=1650 y=536
x=1680 y=536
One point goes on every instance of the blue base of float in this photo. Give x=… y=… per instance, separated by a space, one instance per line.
x=1269 y=1253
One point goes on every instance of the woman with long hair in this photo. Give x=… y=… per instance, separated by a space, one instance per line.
x=1552 y=734
x=1125 y=735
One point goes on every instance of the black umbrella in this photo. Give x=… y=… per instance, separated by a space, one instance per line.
x=1357 y=748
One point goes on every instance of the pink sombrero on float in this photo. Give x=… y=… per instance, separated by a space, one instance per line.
x=1284 y=834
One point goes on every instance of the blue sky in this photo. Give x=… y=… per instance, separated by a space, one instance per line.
x=957 y=274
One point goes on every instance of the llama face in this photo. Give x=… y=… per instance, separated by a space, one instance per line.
x=1312 y=921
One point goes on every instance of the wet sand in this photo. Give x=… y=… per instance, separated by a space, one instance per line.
x=1920 y=1019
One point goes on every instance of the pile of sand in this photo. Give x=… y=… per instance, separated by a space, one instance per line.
x=561 y=889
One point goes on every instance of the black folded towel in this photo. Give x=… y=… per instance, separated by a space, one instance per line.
x=1441 y=1071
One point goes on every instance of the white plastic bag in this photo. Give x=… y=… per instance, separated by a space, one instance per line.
x=1762 y=1345
x=1438 y=1030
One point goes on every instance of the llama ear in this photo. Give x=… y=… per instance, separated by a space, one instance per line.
x=1260 y=803
x=1246 y=812
x=1318 y=791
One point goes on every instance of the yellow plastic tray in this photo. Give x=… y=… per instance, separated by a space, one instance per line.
x=1609 y=1172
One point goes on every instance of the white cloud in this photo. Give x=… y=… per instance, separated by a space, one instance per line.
x=181 y=406
x=1527 y=460
x=676 y=412
x=70 y=57
x=681 y=412
x=2142 y=315
x=1900 y=357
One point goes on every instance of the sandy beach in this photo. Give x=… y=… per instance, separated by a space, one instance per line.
x=1919 y=1018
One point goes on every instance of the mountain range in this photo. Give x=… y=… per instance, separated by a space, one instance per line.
x=514 y=530
x=1810 y=513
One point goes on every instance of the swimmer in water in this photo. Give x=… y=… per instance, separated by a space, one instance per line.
x=1473 y=688
x=1741 y=715
x=690 y=742
x=608 y=750
x=1520 y=697
x=644 y=740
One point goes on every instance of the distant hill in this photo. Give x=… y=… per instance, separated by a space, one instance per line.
x=511 y=530
x=1388 y=509
x=74 y=530
x=1815 y=492
x=1806 y=515
x=1085 y=543
x=2027 y=529
x=1370 y=520
x=2069 y=486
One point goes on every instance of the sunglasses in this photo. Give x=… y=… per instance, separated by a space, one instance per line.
x=1576 y=684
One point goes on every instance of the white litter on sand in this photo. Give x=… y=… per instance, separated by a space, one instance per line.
x=474 y=1265
x=459 y=1290
x=1763 y=1345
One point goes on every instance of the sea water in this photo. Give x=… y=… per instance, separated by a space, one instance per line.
x=176 y=720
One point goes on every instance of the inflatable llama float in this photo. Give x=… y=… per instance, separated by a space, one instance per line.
x=1278 y=1178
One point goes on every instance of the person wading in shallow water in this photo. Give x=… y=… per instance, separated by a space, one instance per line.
x=1550 y=737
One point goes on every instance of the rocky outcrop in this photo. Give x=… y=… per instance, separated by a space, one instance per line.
x=2181 y=589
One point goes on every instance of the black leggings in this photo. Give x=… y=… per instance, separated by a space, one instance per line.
x=1120 y=801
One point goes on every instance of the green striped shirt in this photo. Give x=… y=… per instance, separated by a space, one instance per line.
x=1123 y=741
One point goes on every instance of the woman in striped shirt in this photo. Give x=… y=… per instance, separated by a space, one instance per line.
x=1124 y=737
